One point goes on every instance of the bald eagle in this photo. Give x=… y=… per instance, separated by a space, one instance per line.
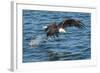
x=54 y=29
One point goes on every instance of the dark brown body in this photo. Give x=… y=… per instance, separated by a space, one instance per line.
x=52 y=30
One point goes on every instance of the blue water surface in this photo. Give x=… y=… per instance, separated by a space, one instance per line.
x=72 y=45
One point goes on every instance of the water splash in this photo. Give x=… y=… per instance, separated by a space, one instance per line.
x=36 y=41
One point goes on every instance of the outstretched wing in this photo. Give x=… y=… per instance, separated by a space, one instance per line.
x=70 y=23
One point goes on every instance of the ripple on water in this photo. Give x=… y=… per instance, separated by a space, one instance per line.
x=72 y=45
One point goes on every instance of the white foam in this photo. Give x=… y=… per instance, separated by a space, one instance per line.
x=35 y=42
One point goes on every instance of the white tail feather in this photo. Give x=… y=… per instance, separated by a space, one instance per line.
x=62 y=30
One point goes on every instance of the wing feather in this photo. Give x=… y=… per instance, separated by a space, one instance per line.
x=71 y=23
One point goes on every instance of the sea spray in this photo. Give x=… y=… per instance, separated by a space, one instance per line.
x=35 y=42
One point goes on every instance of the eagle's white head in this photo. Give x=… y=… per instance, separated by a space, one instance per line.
x=44 y=27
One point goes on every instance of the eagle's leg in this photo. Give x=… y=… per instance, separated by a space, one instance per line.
x=56 y=34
